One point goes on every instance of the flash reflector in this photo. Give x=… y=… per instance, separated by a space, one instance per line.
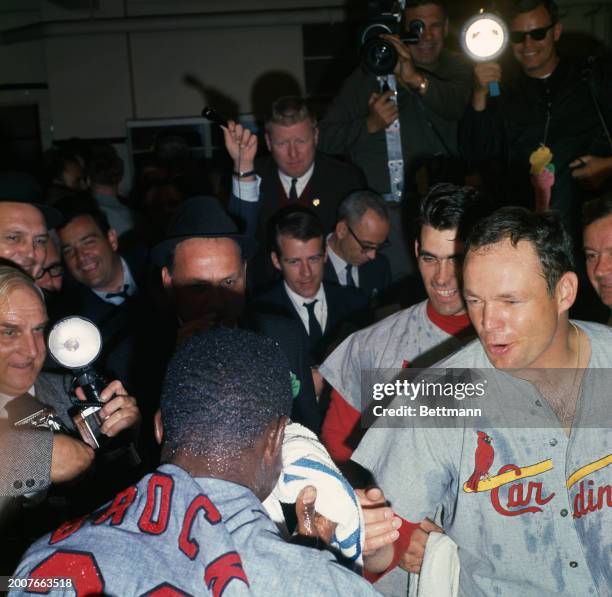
x=484 y=37
x=75 y=342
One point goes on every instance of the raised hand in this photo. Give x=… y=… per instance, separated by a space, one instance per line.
x=484 y=73
x=241 y=144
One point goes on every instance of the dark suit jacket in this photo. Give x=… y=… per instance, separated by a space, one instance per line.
x=294 y=344
x=287 y=333
x=374 y=276
x=347 y=311
x=122 y=326
x=332 y=180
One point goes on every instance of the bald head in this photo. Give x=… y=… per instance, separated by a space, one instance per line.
x=207 y=280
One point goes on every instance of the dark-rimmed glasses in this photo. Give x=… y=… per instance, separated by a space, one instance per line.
x=365 y=246
x=518 y=37
x=55 y=270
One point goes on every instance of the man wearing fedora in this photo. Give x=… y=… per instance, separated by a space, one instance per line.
x=203 y=262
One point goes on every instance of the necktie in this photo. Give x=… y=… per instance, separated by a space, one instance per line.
x=121 y=294
x=314 y=327
x=293 y=190
x=349 y=276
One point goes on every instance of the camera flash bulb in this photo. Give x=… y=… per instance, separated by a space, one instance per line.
x=74 y=342
x=484 y=37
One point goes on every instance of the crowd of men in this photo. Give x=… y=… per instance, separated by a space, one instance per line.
x=227 y=325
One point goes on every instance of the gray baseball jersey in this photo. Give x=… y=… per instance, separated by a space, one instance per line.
x=537 y=518
x=408 y=336
x=173 y=535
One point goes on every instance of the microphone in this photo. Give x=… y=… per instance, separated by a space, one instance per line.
x=214 y=116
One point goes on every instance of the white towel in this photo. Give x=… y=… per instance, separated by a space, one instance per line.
x=439 y=575
x=306 y=462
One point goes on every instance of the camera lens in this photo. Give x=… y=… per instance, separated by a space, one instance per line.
x=379 y=56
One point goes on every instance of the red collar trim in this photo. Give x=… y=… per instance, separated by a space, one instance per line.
x=455 y=325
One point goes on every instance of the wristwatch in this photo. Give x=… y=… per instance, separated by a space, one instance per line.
x=423 y=85
x=244 y=174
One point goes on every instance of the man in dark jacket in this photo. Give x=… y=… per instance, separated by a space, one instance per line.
x=548 y=127
x=107 y=288
x=393 y=126
x=327 y=312
x=353 y=248
x=294 y=173
x=204 y=263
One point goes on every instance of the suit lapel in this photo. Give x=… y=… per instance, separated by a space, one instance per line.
x=330 y=271
x=286 y=301
x=366 y=282
x=332 y=315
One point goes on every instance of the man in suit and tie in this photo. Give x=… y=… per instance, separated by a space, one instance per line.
x=203 y=262
x=106 y=289
x=353 y=257
x=325 y=310
x=294 y=173
x=36 y=453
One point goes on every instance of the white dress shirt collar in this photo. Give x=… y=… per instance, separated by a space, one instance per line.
x=340 y=265
x=128 y=280
x=301 y=183
x=320 y=307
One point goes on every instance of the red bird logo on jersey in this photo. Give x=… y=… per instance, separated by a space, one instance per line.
x=483 y=459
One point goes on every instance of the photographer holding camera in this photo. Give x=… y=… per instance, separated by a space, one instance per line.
x=33 y=407
x=433 y=88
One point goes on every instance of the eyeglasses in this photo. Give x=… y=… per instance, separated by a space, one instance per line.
x=55 y=270
x=518 y=37
x=366 y=247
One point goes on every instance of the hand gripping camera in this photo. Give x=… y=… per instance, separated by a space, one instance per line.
x=75 y=343
x=386 y=16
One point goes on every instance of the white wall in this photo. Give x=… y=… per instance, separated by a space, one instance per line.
x=228 y=60
x=98 y=81
x=89 y=86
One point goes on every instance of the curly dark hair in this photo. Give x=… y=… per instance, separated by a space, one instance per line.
x=222 y=389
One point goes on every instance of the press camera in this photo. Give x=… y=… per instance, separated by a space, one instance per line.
x=386 y=16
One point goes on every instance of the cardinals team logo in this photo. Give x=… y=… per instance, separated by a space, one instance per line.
x=508 y=477
x=514 y=492
x=483 y=459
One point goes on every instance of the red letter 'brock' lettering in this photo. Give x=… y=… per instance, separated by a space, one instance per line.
x=65 y=530
x=145 y=523
x=191 y=547
x=119 y=507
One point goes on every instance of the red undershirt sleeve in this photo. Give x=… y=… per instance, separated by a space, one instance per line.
x=341 y=433
x=341 y=430
x=399 y=549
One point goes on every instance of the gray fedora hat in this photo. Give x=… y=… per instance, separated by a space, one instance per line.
x=201 y=217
